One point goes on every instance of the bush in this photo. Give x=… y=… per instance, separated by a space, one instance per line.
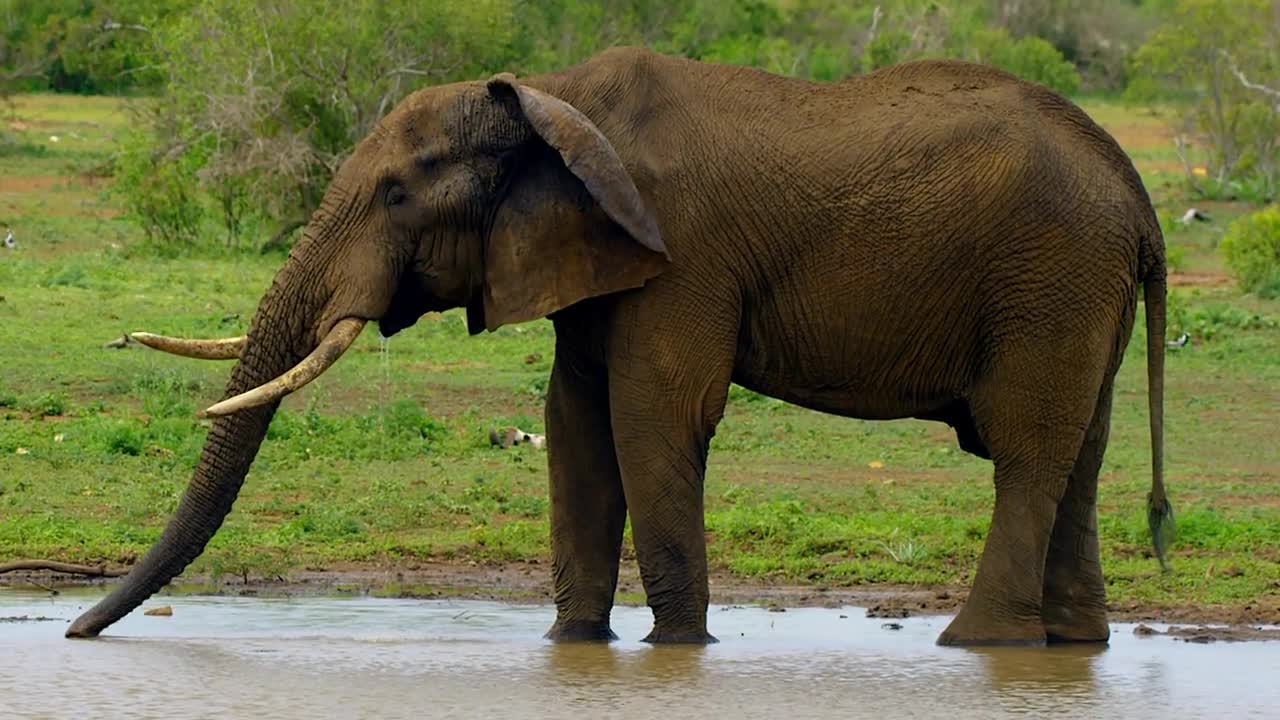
x=1251 y=248
x=405 y=419
x=48 y=405
x=123 y=438
x=80 y=46
x=160 y=190
x=264 y=101
x=1030 y=58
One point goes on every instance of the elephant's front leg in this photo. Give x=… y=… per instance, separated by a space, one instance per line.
x=588 y=510
x=667 y=394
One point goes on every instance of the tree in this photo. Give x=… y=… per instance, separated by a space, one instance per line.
x=1206 y=52
x=263 y=101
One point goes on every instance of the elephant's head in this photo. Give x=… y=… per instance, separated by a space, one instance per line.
x=493 y=196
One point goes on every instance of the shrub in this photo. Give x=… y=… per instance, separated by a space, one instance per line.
x=1251 y=248
x=160 y=188
x=404 y=418
x=123 y=438
x=48 y=405
x=263 y=102
x=1030 y=58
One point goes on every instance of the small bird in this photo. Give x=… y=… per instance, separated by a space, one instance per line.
x=9 y=242
x=1193 y=214
x=1180 y=342
x=513 y=436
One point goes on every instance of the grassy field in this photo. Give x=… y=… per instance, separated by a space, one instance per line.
x=386 y=461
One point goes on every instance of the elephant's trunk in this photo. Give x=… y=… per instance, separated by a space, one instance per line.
x=281 y=333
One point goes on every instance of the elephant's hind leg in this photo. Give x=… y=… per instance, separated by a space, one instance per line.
x=588 y=510
x=1032 y=413
x=1075 y=596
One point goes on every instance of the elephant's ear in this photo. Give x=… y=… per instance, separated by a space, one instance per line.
x=572 y=225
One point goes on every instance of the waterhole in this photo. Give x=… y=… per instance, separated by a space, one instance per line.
x=386 y=658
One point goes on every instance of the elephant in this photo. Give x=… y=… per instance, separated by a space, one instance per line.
x=937 y=239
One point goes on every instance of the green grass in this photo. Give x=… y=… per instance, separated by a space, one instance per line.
x=386 y=458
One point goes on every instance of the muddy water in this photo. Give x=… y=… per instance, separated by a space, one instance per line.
x=311 y=658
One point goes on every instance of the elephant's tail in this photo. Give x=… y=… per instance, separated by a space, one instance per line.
x=1159 y=509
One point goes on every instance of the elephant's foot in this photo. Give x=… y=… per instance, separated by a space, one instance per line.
x=580 y=631
x=660 y=636
x=971 y=629
x=1074 y=602
x=1075 y=625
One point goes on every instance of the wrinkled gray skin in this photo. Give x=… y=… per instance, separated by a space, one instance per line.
x=935 y=240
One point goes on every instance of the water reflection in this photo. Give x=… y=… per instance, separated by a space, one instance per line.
x=591 y=666
x=1032 y=680
x=1055 y=669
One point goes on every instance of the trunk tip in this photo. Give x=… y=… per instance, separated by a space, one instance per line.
x=82 y=629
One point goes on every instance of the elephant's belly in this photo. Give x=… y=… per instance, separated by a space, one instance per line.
x=880 y=367
x=855 y=400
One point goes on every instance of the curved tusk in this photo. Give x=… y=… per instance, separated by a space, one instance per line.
x=312 y=366
x=211 y=349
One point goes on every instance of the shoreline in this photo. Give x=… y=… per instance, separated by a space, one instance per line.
x=530 y=583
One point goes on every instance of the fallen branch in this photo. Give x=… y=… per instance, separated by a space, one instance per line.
x=123 y=341
x=109 y=25
x=277 y=241
x=68 y=568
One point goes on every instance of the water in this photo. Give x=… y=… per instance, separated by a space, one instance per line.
x=322 y=657
x=384 y=362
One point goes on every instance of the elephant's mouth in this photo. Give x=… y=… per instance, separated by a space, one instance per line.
x=395 y=320
x=410 y=302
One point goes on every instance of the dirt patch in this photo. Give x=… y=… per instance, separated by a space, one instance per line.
x=530 y=582
x=1199 y=279
x=1160 y=166
x=1141 y=135
x=1208 y=634
x=773 y=474
x=933 y=602
x=29 y=183
x=1263 y=611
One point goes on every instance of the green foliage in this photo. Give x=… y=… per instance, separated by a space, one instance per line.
x=1210 y=52
x=1030 y=58
x=263 y=101
x=81 y=46
x=48 y=404
x=1208 y=322
x=405 y=419
x=1251 y=248
x=123 y=438
x=160 y=191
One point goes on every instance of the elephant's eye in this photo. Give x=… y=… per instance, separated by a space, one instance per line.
x=395 y=196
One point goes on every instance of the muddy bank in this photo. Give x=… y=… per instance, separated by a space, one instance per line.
x=531 y=583
x=1207 y=634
